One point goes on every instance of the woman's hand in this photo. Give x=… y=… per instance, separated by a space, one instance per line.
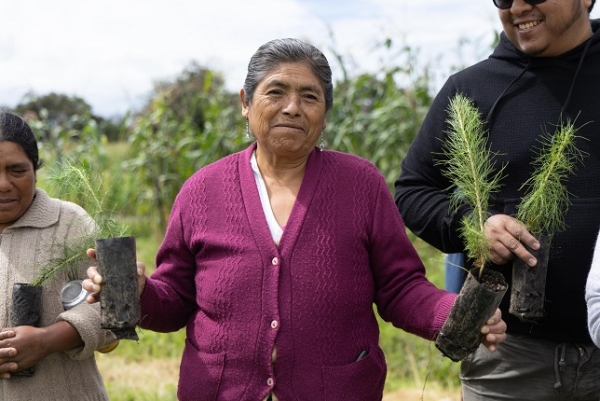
x=93 y=283
x=7 y=353
x=494 y=331
x=22 y=347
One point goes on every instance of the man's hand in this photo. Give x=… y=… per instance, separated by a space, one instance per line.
x=507 y=237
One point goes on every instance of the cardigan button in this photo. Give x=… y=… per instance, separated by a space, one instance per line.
x=274 y=324
x=270 y=382
x=275 y=261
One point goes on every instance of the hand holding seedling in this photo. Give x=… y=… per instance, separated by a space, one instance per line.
x=93 y=283
x=24 y=346
x=7 y=353
x=494 y=331
x=507 y=237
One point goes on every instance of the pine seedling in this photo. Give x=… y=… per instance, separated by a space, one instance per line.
x=73 y=182
x=543 y=207
x=468 y=165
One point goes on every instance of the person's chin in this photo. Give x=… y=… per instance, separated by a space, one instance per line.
x=532 y=48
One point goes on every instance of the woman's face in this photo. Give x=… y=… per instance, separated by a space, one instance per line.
x=287 y=112
x=17 y=183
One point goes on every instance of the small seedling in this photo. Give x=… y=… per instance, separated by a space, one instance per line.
x=543 y=208
x=73 y=182
x=468 y=165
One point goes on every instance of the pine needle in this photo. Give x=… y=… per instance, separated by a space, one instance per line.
x=74 y=182
x=543 y=208
x=467 y=164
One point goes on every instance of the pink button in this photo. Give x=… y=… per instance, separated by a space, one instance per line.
x=270 y=382
x=274 y=324
x=275 y=261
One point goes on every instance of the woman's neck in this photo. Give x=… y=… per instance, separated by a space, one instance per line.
x=281 y=170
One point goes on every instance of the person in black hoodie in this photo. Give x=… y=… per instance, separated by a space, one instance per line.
x=545 y=70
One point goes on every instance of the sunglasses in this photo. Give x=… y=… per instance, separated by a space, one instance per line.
x=506 y=4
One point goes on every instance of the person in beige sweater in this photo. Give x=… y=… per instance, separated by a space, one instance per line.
x=35 y=228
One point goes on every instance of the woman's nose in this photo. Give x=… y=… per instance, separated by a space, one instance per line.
x=5 y=183
x=292 y=105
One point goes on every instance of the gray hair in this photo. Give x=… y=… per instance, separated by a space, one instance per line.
x=277 y=51
x=13 y=128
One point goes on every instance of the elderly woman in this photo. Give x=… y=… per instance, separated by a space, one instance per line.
x=33 y=229
x=274 y=256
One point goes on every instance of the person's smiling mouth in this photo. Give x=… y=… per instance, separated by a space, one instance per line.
x=524 y=26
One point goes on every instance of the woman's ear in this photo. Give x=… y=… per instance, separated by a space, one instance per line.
x=245 y=109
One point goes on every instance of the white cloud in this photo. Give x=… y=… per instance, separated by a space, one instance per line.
x=111 y=52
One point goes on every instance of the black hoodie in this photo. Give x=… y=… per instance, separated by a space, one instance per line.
x=527 y=95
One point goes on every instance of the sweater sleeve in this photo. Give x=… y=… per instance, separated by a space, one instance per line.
x=592 y=296
x=421 y=190
x=86 y=320
x=168 y=299
x=404 y=296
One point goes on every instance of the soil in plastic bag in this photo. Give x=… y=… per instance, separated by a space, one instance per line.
x=476 y=302
x=119 y=300
x=528 y=286
x=26 y=311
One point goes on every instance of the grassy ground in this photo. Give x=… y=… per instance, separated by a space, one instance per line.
x=156 y=380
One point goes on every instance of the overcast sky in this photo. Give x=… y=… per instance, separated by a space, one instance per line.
x=110 y=52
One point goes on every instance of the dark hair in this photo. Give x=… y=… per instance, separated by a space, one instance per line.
x=278 y=51
x=13 y=128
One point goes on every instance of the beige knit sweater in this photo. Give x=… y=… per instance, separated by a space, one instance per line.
x=39 y=235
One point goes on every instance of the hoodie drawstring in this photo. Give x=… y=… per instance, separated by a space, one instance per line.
x=568 y=98
x=489 y=115
x=585 y=50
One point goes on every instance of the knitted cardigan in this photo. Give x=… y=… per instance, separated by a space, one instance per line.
x=311 y=298
x=39 y=235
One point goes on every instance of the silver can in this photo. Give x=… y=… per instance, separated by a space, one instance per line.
x=73 y=294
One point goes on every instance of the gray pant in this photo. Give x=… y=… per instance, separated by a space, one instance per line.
x=526 y=369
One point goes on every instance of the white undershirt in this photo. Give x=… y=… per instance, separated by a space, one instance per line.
x=274 y=227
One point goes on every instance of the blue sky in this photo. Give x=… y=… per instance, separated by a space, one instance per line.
x=111 y=52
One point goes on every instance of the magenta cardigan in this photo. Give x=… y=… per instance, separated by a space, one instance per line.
x=344 y=249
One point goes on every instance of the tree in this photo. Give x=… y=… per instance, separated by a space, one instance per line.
x=70 y=112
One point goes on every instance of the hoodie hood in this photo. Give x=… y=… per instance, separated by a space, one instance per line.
x=506 y=51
